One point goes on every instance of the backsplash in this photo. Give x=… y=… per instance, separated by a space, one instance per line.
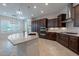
x=64 y=29
x=74 y=29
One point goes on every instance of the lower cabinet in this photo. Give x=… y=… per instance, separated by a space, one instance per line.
x=69 y=41
x=74 y=44
x=51 y=35
x=62 y=39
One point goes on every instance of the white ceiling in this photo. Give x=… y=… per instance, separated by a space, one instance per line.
x=28 y=9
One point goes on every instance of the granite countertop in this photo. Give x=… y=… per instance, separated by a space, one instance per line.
x=70 y=33
x=18 y=38
x=66 y=32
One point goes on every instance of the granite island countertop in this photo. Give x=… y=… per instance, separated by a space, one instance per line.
x=18 y=38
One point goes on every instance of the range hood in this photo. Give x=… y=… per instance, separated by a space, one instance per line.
x=69 y=13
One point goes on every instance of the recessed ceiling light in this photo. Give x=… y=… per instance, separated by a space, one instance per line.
x=42 y=11
x=34 y=6
x=46 y=3
x=4 y=4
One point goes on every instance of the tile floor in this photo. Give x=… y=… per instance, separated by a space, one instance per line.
x=45 y=48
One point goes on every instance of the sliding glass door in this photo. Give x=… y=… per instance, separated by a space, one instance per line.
x=10 y=25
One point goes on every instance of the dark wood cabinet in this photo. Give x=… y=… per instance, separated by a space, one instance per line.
x=69 y=41
x=52 y=23
x=43 y=27
x=34 y=26
x=60 y=20
x=76 y=16
x=40 y=26
x=73 y=43
x=58 y=38
x=43 y=22
x=62 y=39
x=51 y=36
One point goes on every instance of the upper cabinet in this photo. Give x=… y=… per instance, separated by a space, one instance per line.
x=43 y=22
x=60 y=20
x=34 y=25
x=57 y=22
x=40 y=26
x=52 y=23
x=76 y=16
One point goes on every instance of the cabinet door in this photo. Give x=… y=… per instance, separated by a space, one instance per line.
x=62 y=39
x=38 y=26
x=51 y=35
x=34 y=26
x=58 y=38
x=59 y=22
x=76 y=16
x=43 y=22
x=73 y=43
x=61 y=17
x=52 y=23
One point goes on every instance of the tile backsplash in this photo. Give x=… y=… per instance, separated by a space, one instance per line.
x=65 y=29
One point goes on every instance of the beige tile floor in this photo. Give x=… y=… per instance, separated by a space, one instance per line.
x=45 y=48
x=53 y=48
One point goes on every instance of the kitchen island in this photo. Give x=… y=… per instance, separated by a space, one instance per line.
x=25 y=43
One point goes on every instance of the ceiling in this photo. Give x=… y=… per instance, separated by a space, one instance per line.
x=28 y=10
